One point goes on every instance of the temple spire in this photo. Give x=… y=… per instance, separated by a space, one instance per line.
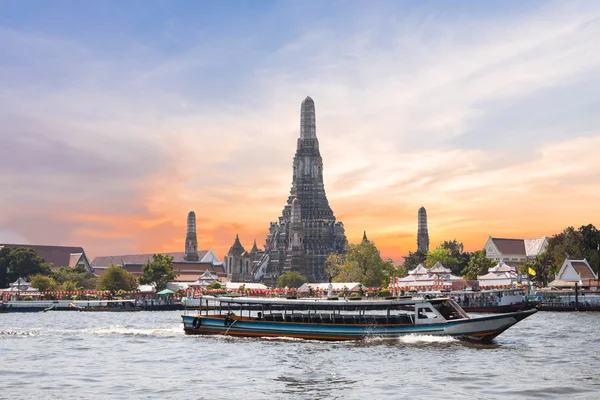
x=191 y=241
x=365 y=240
x=422 y=232
x=308 y=125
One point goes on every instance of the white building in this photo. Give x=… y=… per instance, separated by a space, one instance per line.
x=436 y=278
x=501 y=275
x=575 y=271
x=515 y=251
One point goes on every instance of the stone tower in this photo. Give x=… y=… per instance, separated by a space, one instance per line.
x=307 y=230
x=191 y=242
x=238 y=262
x=294 y=260
x=422 y=233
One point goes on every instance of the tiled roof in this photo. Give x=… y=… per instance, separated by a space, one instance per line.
x=56 y=256
x=510 y=246
x=533 y=247
x=583 y=270
x=187 y=277
x=105 y=261
x=236 y=249
x=439 y=268
x=196 y=268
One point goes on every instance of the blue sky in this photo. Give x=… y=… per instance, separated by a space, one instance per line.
x=122 y=116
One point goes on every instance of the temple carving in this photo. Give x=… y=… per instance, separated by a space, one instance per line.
x=306 y=231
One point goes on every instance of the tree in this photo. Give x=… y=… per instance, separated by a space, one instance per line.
x=362 y=263
x=478 y=264
x=591 y=245
x=159 y=271
x=24 y=262
x=291 y=279
x=567 y=244
x=460 y=258
x=542 y=266
x=441 y=255
x=117 y=278
x=43 y=282
x=79 y=277
x=413 y=259
x=4 y=252
x=214 y=285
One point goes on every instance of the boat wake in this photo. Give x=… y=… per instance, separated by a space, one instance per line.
x=417 y=339
x=110 y=330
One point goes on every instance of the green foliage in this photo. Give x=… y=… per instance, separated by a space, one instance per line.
x=214 y=285
x=478 y=264
x=79 y=278
x=570 y=243
x=384 y=293
x=27 y=298
x=450 y=254
x=16 y=262
x=413 y=259
x=291 y=279
x=159 y=271
x=68 y=286
x=460 y=259
x=442 y=255
x=117 y=278
x=362 y=263
x=333 y=263
x=43 y=282
x=4 y=260
x=401 y=271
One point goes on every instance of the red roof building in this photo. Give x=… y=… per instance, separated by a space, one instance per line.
x=58 y=256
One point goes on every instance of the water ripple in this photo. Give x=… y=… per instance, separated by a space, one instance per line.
x=146 y=355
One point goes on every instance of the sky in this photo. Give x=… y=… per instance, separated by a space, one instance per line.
x=118 y=118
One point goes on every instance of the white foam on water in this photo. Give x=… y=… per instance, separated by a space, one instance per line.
x=413 y=339
x=18 y=332
x=120 y=330
x=110 y=330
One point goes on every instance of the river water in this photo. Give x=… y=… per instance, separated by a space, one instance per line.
x=145 y=355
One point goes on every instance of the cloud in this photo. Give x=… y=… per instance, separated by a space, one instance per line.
x=485 y=118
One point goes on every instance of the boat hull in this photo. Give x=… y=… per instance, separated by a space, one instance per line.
x=10 y=309
x=482 y=329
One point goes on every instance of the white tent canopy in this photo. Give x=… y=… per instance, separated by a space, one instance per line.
x=337 y=286
x=247 y=285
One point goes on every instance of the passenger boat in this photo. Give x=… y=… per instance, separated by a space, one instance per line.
x=344 y=319
x=12 y=307
x=493 y=301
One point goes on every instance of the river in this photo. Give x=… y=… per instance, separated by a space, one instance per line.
x=145 y=355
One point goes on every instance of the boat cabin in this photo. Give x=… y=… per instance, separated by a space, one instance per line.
x=339 y=311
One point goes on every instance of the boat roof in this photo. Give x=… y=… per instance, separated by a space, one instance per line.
x=329 y=303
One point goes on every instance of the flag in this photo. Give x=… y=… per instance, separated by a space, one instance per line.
x=531 y=271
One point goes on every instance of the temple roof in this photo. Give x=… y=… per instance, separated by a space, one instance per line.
x=236 y=249
x=254 y=248
x=522 y=247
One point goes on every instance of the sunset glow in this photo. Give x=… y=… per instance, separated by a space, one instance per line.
x=118 y=119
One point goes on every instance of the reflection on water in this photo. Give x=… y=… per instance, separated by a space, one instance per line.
x=146 y=355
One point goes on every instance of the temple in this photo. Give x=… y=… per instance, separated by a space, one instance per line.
x=307 y=231
x=191 y=242
x=422 y=232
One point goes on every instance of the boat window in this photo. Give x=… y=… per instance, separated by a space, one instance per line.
x=425 y=313
x=447 y=310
